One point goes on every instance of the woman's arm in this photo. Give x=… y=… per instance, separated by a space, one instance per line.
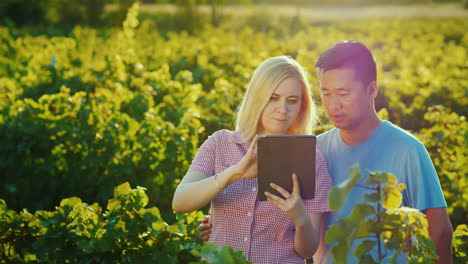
x=197 y=189
x=307 y=235
x=321 y=253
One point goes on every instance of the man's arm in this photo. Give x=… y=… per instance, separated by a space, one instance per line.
x=440 y=230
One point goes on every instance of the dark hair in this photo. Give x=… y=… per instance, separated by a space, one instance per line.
x=349 y=54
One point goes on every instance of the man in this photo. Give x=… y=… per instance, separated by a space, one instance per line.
x=347 y=74
x=348 y=84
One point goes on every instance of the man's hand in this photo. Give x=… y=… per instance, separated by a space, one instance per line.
x=205 y=228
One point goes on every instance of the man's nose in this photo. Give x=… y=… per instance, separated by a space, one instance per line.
x=335 y=102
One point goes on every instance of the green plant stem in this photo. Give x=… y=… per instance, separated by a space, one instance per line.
x=377 y=234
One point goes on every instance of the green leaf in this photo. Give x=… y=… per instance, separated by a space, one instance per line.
x=225 y=255
x=379 y=177
x=392 y=197
x=360 y=212
x=339 y=194
x=335 y=233
x=122 y=189
x=340 y=253
x=142 y=197
x=363 y=248
x=72 y=201
x=367 y=259
x=372 y=197
x=113 y=204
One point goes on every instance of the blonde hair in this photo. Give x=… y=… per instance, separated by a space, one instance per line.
x=264 y=82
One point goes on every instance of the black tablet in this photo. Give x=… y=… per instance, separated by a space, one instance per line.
x=279 y=157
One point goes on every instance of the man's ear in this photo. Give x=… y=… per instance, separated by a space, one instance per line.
x=373 y=89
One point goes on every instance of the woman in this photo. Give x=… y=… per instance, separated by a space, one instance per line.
x=283 y=229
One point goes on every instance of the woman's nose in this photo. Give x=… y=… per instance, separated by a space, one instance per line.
x=282 y=107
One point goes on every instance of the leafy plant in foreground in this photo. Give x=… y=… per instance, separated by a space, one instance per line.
x=379 y=225
x=212 y=254
x=460 y=244
x=126 y=232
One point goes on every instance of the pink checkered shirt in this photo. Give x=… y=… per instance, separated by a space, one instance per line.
x=260 y=229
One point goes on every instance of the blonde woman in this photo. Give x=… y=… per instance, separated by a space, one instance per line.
x=286 y=228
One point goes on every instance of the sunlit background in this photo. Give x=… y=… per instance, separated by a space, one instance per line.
x=94 y=94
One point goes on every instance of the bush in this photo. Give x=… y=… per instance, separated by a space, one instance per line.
x=446 y=141
x=460 y=244
x=125 y=232
x=383 y=228
x=83 y=113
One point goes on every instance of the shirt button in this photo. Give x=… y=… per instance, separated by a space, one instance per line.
x=254 y=189
x=249 y=214
x=246 y=238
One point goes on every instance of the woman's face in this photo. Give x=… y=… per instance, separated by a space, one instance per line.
x=282 y=109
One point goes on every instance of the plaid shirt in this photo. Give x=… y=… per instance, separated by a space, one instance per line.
x=260 y=229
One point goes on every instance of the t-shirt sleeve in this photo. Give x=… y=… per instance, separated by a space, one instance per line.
x=423 y=188
x=204 y=160
x=323 y=185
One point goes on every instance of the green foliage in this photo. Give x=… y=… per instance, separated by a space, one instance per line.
x=211 y=254
x=126 y=232
x=446 y=140
x=460 y=244
x=339 y=194
x=129 y=126
x=82 y=113
x=379 y=224
x=63 y=13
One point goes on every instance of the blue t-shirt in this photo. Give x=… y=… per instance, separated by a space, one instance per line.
x=389 y=149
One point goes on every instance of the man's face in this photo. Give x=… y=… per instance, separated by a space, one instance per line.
x=347 y=102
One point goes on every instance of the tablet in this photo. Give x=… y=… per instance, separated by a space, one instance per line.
x=279 y=156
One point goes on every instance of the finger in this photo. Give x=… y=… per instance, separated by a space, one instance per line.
x=253 y=147
x=254 y=143
x=296 y=188
x=280 y=189
x=206 y=232
x=203 y=226
x=205 y=238
x=278 y=201
x=205 y=219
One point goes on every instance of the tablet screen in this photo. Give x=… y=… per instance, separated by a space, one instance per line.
x=279 y=156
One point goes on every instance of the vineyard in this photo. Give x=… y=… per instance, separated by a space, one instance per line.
x=84 y=113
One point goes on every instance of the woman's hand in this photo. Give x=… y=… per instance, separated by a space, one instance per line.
x=291 y=203
x=247 y=166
